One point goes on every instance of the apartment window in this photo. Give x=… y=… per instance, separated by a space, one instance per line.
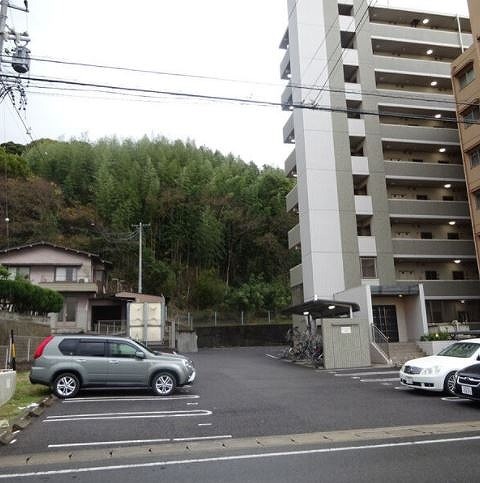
x=453 y=236
x=471 y=115
x=18 y=272
x=447 y=198
x=458 y=275
x=466 y=76
x=426 y=235
x=431 y=275
x=422 y=197
x=368 y=267
x=474 y=156
x=65 y=274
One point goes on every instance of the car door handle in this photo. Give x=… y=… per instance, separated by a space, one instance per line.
x=80 y=360
x=113 y=361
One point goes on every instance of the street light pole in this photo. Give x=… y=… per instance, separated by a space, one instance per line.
x=140 y=227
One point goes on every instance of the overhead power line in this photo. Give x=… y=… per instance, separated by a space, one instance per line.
x=246 y=101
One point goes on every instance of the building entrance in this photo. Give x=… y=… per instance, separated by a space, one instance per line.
x=385 y=319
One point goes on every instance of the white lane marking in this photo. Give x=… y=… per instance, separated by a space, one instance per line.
x=204 y=424
x=132 y=415
x=366 y=373
x=136 y=441
x=383 y=379
x=115 y=399
x=273 y=357
x=238 y=457
x=192 y=404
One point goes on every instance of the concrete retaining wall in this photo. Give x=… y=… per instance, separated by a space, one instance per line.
x=242 y=335
x=8 y=381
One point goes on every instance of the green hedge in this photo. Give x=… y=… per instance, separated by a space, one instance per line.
x=24 y=297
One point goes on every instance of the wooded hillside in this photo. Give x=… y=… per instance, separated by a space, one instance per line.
x=218 y=226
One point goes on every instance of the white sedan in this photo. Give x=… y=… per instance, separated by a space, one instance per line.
x=437 y=373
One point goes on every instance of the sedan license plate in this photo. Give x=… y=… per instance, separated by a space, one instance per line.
x=467 y=390
x=409 y=380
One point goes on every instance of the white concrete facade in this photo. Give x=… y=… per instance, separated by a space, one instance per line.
x=369 y=129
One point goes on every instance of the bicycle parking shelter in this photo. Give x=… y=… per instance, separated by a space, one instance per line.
x=345 y=337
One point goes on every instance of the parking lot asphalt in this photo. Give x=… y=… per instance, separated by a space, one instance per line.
x=239 y=393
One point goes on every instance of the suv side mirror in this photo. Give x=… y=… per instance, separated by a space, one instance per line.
x=140 y=355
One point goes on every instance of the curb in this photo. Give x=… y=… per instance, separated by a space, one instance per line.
x=24 y=419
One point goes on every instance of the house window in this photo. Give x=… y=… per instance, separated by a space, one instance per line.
x=65 y=274
x=474 y=156
x=431 y=275
x=458 y=275
x=453 y=236
x=471 y=116
x=18 y=272
x=466 y=76
x=369 y=267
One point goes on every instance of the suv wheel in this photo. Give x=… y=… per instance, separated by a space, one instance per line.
x=66 y=385
x=163 y=384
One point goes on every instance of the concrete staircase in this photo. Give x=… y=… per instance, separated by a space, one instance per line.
x=401 y=352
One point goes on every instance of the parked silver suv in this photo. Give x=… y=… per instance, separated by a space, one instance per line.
x=67 y=363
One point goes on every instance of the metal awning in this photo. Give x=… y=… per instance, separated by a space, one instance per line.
x=321 y=308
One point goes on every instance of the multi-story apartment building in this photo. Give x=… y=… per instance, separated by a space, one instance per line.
x=466 y=87
x=383 y=215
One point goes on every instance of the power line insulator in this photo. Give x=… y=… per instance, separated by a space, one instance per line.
x=21 y=59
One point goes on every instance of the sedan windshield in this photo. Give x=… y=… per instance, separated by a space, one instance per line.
x=464 y=349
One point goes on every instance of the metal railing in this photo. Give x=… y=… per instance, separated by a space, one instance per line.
x=110 y=327
x=380 y=339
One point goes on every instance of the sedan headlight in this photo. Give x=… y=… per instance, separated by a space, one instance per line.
x=431 y=371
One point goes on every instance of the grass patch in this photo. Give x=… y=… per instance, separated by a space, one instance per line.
x=25 y=394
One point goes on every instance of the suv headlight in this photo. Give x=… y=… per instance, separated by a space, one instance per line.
x=430 y=371
x=188 y=363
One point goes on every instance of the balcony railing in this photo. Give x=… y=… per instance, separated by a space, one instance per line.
x=441 y=248
x=428 y=209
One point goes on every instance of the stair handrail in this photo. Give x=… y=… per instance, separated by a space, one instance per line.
x=380 y=339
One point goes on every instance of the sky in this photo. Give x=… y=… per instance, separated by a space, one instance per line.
x=206 y=40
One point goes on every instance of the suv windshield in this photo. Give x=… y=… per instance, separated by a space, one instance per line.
x=460 y=349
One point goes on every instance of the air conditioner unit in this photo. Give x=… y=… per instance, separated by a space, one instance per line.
x=83 y=280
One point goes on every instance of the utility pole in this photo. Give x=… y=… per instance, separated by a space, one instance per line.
x=140 y=228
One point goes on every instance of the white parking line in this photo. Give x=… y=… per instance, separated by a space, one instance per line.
x=116 y=399
x=273 y=357
x=129 y=415
x=383 y=379
x=252 y=456
x=404 y=388
x=192 y=404
x=454 y=399
x=366 y=373
x=204 y=424
x=137 y=441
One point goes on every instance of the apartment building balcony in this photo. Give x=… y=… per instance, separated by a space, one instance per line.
x=288 y=131
x=291 y=200
x=429 y=37
x=428 y=209
x=452 y=289
x=360 y=165
x=442 y=100
x=287 y=98
x=84 y=287
x=356 y=127
x=353 y=91
x=363 y=205
x=291 y=165
x=405 y=170
x=350 y=57
x=367 y=246
x=285 y=71
x=296 y=275
x=436 y=248
x=294 y=236
x=432 y=135
x=347 y=23
x=406 y=81
x=403 y=64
